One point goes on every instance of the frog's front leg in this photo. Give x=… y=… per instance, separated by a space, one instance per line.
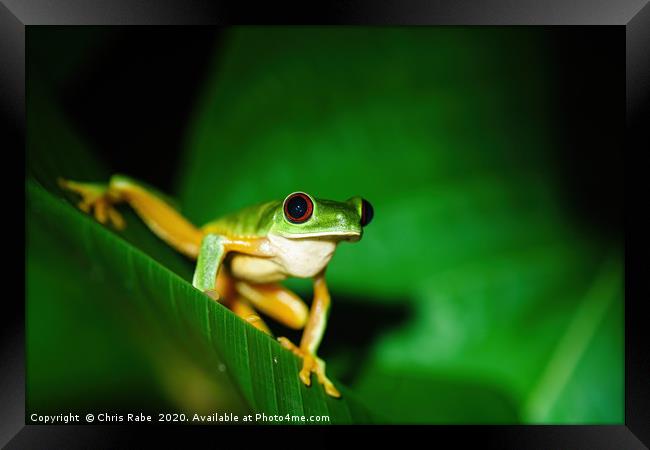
x=212 y=252
x=312 y=337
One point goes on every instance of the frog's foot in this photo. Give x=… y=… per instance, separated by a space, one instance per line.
x=311 y=363
x=97 y=198
x=213 y=294
x=258 y=323
x=246 y=312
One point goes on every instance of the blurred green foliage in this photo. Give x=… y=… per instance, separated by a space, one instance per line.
x=494 y=305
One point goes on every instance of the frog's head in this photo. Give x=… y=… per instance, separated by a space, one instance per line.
x=303 y=216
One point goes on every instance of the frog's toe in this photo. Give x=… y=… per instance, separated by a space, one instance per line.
x=89 y=193
x=116 y=218
x=84 y=206
x=286 y=343
x=305 y=375
x=311 y=364
x=105 y=212
x=331 y=390
x=258 y=323
x=95 y=198
x=326 y=382
x=100 y=211
x=213 y=294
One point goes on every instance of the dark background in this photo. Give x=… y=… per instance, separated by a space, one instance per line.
x=141 y=85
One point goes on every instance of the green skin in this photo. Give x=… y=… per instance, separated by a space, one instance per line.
x=330 y=220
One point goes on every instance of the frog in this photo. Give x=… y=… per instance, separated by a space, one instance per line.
x=243 y=257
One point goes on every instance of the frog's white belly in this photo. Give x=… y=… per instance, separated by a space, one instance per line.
x=300 y=258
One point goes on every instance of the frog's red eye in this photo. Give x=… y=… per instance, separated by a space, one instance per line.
x=366 y=212
x=298 y=208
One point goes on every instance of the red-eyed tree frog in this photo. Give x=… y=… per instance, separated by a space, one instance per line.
x=242 y=257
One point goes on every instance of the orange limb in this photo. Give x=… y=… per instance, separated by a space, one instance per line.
x=275 y=301
x=240 y=307
x=312 y=337
x=167 y=223
x=225 y=286
x=161 y=218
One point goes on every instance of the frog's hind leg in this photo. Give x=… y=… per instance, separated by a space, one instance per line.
x=240 y=306
x=275 y=301
x=228 y=295
x=154 y=208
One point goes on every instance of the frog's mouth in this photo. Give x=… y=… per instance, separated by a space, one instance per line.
x=333 y=235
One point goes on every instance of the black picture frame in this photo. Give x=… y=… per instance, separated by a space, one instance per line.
x=633 y=15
